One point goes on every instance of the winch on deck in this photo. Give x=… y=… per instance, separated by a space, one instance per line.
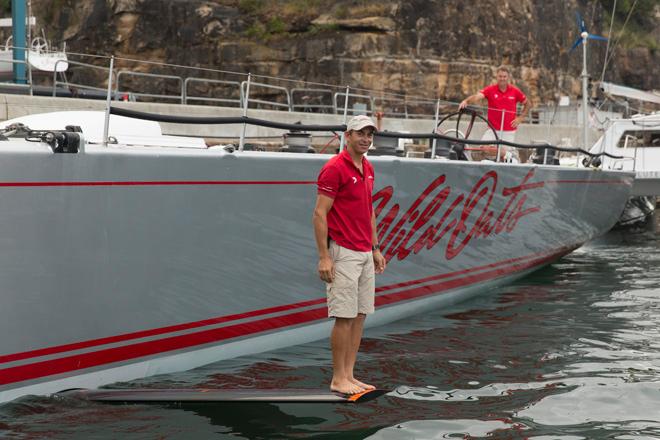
x=68 y=140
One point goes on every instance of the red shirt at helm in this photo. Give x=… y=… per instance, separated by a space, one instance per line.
x=499 y=101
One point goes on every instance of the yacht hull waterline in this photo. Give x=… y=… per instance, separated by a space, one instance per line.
x=122 y=262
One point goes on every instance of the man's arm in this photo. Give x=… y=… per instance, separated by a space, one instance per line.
x=523 y=114
x=379 y=260
x=471 y=100
x=320 y=221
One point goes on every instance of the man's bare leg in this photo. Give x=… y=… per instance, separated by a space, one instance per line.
x=357 y=326
x=340 y=343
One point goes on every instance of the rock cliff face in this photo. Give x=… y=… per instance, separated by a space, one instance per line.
x=432 y=48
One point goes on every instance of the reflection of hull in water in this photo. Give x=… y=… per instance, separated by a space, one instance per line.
x=126 y=261
x=637 y=213
x=42 y=63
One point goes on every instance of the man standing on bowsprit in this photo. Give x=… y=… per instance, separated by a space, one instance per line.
x=349 y=255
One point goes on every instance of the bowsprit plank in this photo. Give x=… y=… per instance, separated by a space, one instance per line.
x=142 y=395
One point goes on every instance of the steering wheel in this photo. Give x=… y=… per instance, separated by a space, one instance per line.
x=39 y=45
x=463 y=150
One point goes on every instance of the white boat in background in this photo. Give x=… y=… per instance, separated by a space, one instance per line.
x=40 y=58
x=637 y=139
x=143 y=256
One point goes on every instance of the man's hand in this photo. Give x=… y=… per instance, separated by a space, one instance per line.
x=464 y=103
x=326 y=269
x=516 y=122
x=379 y=262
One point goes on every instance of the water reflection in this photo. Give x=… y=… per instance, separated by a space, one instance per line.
x=570 y=352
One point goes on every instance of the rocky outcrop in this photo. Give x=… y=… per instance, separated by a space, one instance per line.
x=430 y=48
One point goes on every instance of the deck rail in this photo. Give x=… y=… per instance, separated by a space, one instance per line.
x=125 y=73
x=187 y=97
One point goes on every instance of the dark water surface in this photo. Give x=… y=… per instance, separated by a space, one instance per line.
x=570 y=352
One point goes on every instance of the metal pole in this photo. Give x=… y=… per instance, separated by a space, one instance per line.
x=108 y=98
x=435 y=127
x=585 y=111
x=497 y=159
x=246 y=101
x=29 y=44
x=55 y=77
x=18 y=30
x=341 y=139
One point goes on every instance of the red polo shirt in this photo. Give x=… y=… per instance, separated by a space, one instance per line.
x=498 y=101
x=349 y=219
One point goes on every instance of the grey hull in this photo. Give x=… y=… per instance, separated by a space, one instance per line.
x=125 y=262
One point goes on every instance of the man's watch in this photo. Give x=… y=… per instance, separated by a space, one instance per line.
x=375 y=247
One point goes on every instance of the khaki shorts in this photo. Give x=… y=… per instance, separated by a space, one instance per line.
x=353 y=288
x=511 y=153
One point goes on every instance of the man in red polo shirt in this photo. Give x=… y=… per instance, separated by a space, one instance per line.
x=503 y=99
x=349 y=255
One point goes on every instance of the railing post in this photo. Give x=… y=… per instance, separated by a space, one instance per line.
x=245 y=110
x=55 y=78
x=341 y=139
x=497 y=159
x=106 y=122
x=183 y=91
x=435 y=127
x=29 y=66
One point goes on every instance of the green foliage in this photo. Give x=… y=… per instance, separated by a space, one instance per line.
x=51 y=9
x=300 y=7
x=256 y=31
x=640 y=25
x=318 y=28
x=644 y=9
x=341 y=11
x=5 y=7
x=251 y=6
x=265 y=32
x=275 y=26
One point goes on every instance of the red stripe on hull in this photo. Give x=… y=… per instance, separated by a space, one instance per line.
x=118 y=354
x=464 y=271
x=228 y=318
x=460 y=282
x=153 y=332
